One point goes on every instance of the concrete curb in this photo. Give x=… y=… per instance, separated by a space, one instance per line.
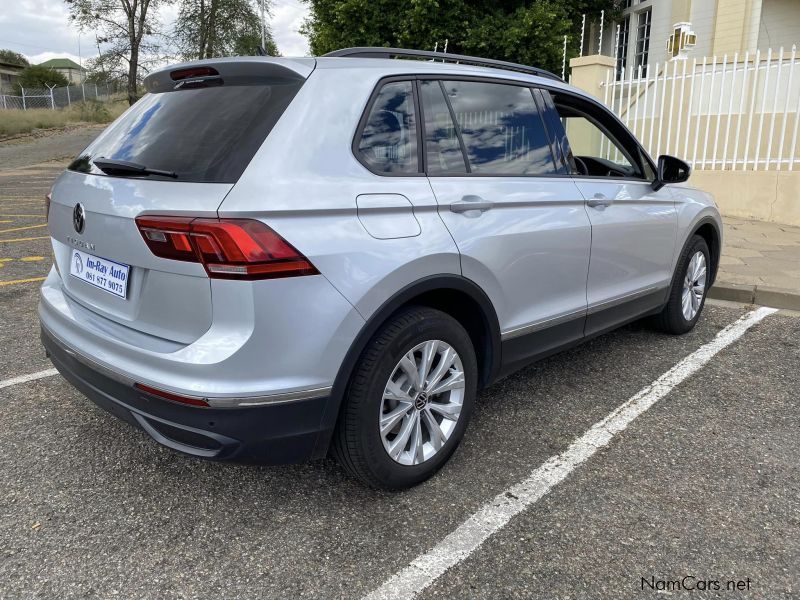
x=755 y=294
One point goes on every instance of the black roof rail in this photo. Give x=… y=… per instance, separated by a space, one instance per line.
x=379 y=52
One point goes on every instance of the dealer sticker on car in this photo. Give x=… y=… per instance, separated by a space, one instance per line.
x=108 y=275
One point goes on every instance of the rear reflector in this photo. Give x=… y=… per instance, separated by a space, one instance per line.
x=170 y=396
x=227 y=248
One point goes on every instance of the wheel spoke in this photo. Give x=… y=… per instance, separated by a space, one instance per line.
x=686 y=305
x=450 y=411
x=392 y=418
x=454 y=381
x=436 y=434
x=700 y=275
x=399 y=443
x=693 y=268
x=416 y=440
x=428 y=354
x=445 y=362
x=409 y=367
x=393 y=391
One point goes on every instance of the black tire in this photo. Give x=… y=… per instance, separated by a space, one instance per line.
x=357 y=443
x=671 y=319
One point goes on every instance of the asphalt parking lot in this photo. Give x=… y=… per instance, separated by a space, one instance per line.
x=703 y=486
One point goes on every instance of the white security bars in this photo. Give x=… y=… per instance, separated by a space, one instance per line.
x=729 y=113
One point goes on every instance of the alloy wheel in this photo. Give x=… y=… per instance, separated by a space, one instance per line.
x=694 y=286
x=422 y=402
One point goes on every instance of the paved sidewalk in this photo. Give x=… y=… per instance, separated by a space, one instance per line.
x=760 y=264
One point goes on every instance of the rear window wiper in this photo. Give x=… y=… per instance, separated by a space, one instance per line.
x=111 y=166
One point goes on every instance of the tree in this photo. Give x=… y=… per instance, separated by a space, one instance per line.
x=127 y=31
x=36 y=76
x=529 y=32
x=13 y=58
x=211 y=28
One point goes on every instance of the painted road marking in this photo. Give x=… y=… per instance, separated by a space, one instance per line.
x=26 y=259
x=26 y=239
x=17 y=281
x=22 y=228
x=495 y=514
x=26 y=378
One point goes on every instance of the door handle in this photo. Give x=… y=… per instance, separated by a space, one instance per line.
x=599 y=201
x=471 y=203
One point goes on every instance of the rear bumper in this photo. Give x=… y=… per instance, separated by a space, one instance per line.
x=278 y=433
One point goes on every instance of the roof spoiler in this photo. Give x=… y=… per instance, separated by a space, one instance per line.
x=275 y=69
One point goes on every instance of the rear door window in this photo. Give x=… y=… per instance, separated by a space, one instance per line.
x=388 y=142
x=208 y=134
x=501 y=128
x=442 y=146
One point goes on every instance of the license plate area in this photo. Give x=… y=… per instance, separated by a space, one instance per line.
x=108 y=275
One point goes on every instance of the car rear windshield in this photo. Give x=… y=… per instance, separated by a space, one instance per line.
x=206 y=135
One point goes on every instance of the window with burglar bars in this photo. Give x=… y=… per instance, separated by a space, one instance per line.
x=643 y=39
x=622 y=46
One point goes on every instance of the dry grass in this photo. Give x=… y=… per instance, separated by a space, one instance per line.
x=13 y=122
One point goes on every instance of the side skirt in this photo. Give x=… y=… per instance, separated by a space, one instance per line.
x=603 y=318
x=521 y=351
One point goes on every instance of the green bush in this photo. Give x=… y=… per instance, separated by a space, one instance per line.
x=37 y=76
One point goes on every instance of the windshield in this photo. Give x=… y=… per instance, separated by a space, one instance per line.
x=208 y=134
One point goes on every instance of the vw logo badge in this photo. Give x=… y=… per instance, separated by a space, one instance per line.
x=79 y=218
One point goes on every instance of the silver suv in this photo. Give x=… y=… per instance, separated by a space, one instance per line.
x=271 y=259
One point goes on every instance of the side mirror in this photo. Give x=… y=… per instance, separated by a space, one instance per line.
x=670 y=170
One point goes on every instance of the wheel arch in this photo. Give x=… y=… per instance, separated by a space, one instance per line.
x=708 y=229
x=455 y=295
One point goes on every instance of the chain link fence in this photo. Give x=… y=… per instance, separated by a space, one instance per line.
x=58 y=97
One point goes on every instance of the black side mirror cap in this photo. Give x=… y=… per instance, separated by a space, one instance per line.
x=670 y=170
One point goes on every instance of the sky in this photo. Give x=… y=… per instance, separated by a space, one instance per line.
x=40 y=29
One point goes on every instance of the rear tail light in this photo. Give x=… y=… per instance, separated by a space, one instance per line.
x=227 y=248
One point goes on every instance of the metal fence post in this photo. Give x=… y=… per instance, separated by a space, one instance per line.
x=95 y=91
x=83 y=91
x=52 y=101
x=69 y=101
x=23 y=98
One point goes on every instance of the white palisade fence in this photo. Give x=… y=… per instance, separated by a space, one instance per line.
x=723 y=113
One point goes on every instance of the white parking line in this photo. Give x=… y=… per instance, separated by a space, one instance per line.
x=496 y=513
x=26 y=378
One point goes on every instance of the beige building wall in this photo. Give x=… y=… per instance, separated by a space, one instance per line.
x=779 y=24
x=731 y=26
x=761 y=195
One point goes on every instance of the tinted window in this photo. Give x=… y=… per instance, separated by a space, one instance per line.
x=501 y=128
x=441 y=140
x=388 y=143
x=206 y=135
